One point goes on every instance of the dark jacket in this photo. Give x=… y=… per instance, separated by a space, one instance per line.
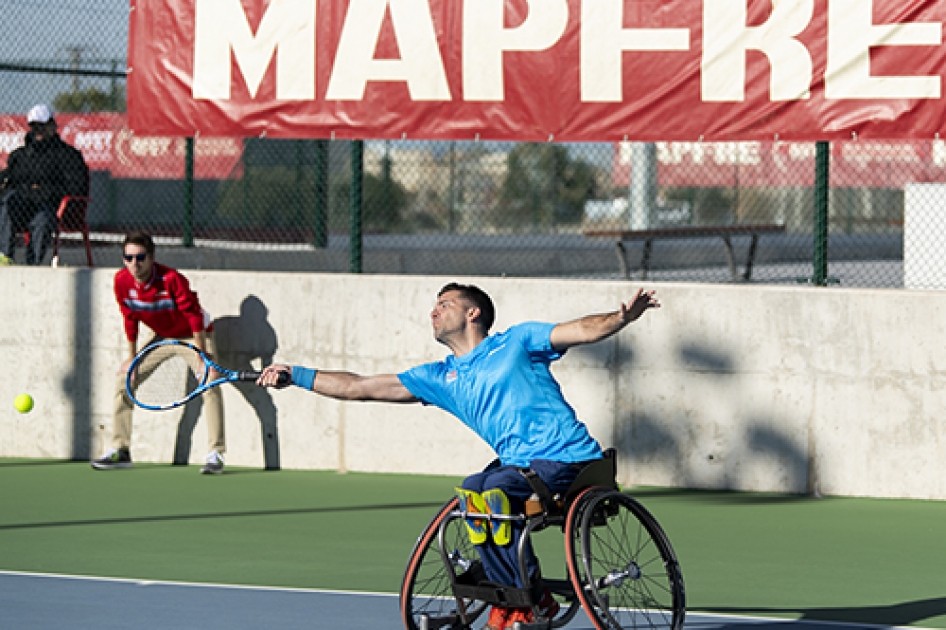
x=47 y=171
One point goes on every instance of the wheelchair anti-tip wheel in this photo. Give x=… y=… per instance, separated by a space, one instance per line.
x=622 y=565
x=427 y=600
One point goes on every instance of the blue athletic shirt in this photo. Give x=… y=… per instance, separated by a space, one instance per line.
x=504 y=391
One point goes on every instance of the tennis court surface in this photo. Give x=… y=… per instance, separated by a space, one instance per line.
x=163 y=547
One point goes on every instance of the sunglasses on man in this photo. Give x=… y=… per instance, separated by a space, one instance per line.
x=138 y=257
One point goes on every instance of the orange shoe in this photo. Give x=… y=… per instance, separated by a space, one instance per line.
x=548 y=607
x=519 y=615
x=497 y=618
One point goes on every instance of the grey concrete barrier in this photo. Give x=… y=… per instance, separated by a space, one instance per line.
x=766 y=388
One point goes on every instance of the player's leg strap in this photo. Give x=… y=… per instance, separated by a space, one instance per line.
x=498 y=503
x=549 y=504
x=471 y=501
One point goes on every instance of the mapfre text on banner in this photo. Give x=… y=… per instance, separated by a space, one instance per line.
x=565 y=70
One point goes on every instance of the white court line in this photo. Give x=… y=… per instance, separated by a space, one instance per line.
x=144 y=582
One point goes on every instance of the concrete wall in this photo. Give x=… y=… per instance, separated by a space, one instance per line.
x=788 y=389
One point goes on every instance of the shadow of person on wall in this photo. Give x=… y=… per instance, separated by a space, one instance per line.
x=240 y=340
x=185 y=428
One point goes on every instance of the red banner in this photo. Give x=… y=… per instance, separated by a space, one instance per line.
x=107 y=144
x=867 y=164
x=161 y=157
x=538 y=70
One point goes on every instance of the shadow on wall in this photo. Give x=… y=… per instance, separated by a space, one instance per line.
x=606 y=354
x=645 y=440
x=77 y=385
x=763 y=440
x=696 y=358
x=240 y=341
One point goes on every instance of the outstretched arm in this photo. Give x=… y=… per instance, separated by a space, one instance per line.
x=592 y=328
x=346 y=385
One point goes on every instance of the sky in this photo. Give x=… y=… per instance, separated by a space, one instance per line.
x=55 y=32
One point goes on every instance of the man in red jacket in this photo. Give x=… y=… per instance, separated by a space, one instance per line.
x=160 y=298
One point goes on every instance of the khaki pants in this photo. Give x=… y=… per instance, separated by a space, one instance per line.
x=213 y=406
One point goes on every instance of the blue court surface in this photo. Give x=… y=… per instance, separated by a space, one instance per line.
x=34 y=600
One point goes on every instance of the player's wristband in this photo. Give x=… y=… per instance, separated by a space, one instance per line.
x=303 y=377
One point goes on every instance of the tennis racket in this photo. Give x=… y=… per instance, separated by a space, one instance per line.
x=169 y=373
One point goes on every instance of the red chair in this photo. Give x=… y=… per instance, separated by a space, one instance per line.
x=71 y=218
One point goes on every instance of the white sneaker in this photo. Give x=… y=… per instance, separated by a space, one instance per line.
x=214 y=465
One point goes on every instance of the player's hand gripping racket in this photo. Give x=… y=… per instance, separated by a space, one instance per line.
x=169 y=373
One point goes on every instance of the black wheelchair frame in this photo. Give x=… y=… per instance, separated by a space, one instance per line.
x=621 y=568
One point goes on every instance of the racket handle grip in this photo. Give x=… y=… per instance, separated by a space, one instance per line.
x=253 y=375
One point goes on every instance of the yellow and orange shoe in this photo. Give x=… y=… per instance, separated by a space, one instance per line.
x=498 y=503
x=471 y=501
x=497 y=618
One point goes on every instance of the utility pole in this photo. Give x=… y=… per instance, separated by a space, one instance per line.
x=75 y=62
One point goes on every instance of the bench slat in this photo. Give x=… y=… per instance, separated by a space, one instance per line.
x=688 y=231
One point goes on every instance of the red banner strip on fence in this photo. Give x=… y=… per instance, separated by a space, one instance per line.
x=753 y=164
x=107 y=144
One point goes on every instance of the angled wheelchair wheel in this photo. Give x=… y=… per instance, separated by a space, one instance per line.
x=427 y=600
x=622 y=565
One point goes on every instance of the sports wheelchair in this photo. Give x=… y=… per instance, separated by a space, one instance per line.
x=620 y=567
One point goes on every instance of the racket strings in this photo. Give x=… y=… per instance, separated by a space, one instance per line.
x=166 y=375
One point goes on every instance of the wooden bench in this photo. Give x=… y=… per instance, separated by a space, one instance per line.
x=725 y=232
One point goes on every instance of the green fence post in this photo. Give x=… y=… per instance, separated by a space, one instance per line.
x=357 y=181
x=321 y=193
x=451 y=206
x=245 y=180
x=113 y=86
x=386 y=195
x=112 y=201
x=822 y=155
x=188 y=192
x=297 y=219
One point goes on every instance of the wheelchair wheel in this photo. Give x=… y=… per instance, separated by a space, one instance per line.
x=622 y=565
x=427 y=600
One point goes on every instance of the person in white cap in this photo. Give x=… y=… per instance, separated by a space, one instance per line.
x=38 y=175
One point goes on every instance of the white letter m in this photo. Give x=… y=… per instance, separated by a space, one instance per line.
x=221 y=26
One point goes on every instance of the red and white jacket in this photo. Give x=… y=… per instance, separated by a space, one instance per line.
x=165 y=304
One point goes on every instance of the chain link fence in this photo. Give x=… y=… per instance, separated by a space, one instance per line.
x=674 y=211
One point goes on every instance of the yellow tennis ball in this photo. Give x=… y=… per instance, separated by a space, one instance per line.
x=23 y=403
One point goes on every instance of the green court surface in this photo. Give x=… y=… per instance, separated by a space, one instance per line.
x=832 y=559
